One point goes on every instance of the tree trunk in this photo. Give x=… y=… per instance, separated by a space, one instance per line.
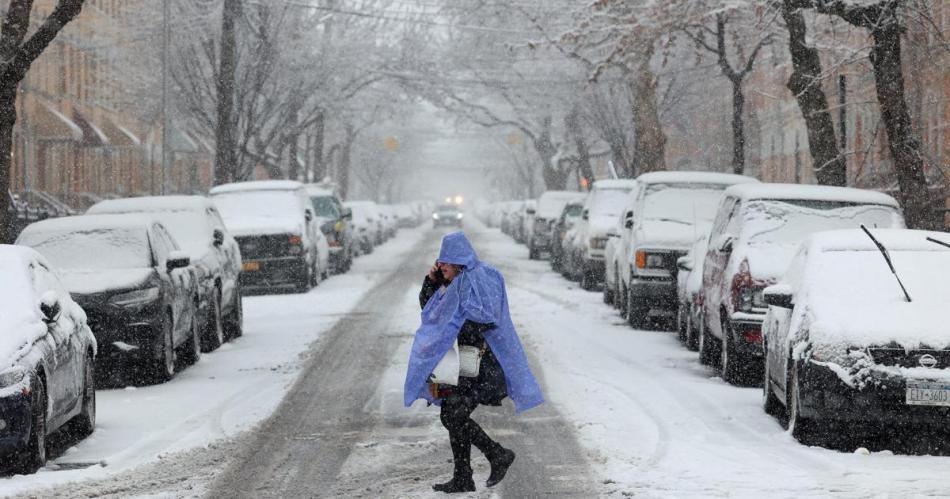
x=805 y=84
x=584 y=169
x=225 y=158
x=903 y=142
x=650 y=147
x=738 y=128
x=319 y=140
x=554 y=177
x=8 y=116
x=345 y=155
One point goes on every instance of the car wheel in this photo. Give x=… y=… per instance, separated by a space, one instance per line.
x=234 y=323
x=85 y=422
x=622 y=301
x=608 y=294
x=729 y=363
x=32 y=456
x=707 y=346
x=770 y=403
x=692 y=341
x=192 y=347
x=636 y=312
x=532 y=253
x=681 y=323
x=163 y=364
x=801 y=428
x=214 y=329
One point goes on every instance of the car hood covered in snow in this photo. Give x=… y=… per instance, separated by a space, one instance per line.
x=86 y=282
x=257 y=226
x=668 y=234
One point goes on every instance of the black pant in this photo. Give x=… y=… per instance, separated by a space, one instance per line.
x=464 y=433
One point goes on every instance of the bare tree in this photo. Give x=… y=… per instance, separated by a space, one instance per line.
x=18 y=50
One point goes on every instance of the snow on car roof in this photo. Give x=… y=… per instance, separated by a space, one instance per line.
x=313 y=190
x=150 y=204
x=21 y=324
x=89 y=222
x=678 y=177
x=618 y=183
x=257 y=185
x=810 y=192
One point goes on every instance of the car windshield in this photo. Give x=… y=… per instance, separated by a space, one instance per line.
x=107 y=248
x=265 y=204
x=447 y=208
x=789 y=221
x=843 y=276
x=688 y=204
x=607 y=202
x=323 y=206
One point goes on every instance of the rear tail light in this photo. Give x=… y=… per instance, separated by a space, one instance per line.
x=742 y=288
x=295 y=239
x=752 y=336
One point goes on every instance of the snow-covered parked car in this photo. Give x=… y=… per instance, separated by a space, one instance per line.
x=661 y=218
x=755 y=233
x=134 y=284
x=843 y=342
x=281 y=244
x=689 y=282
x=366 y=224
x=569 y=217
x=550 y=206
x=47 y=360
x=198 y=228
x=335 y=222
x=602 y=207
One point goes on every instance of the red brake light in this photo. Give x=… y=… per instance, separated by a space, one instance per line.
x=753 y=336
x=742 y=280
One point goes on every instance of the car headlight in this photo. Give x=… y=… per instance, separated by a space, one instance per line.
x=647 y=260
x=137 y=297
x=598 y=243
x=459 y=216
x=12 y=376
x=435 y=216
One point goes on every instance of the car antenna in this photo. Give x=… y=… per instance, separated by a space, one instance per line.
x=887 y=258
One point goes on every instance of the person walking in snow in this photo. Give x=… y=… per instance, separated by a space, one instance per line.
x=463 y=299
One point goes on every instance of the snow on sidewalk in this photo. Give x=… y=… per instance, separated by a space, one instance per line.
x=228 y=391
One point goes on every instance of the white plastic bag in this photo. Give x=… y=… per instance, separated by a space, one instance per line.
x=446 y=372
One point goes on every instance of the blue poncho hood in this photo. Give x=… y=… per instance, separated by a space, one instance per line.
x=476 y=294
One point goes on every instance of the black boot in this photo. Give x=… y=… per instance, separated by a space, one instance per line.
x=455 y=485
x=499 y=466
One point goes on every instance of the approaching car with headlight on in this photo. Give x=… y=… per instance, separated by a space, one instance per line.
x=47 y=360
x=844 y=343
x=447 y=214
x=134 y=283
x=755 y=233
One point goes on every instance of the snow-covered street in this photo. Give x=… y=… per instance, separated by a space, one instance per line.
x=629 y=413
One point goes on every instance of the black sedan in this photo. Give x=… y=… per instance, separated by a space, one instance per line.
x=135 y=284
x=47 y=361
x=198 y=228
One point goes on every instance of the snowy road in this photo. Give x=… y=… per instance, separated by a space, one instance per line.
x=629 y=413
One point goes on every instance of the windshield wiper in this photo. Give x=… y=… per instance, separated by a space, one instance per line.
x=887 y=258
x=936 y=241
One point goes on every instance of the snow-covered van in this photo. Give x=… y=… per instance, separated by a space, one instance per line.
x=274 y=224
x=662 y=217
x=844 y=342
x=755 y=233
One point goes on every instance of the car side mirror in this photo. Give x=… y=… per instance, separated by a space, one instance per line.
x=684 y=263
x=726 y=245
x=585 y=215
x=308 y=215
x=50 y=307
x=217 y=237
x=177 y=260
x=778 y=295
x=628 y=215
x=348 y=213
x=628 y=223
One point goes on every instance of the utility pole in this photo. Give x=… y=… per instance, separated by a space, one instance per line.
x=225 y=158
x=165 y=121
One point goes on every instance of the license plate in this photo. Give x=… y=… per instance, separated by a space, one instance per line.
x=922 y=393
x=251 y=266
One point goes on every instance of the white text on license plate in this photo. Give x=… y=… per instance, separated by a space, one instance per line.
x=922 y=393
